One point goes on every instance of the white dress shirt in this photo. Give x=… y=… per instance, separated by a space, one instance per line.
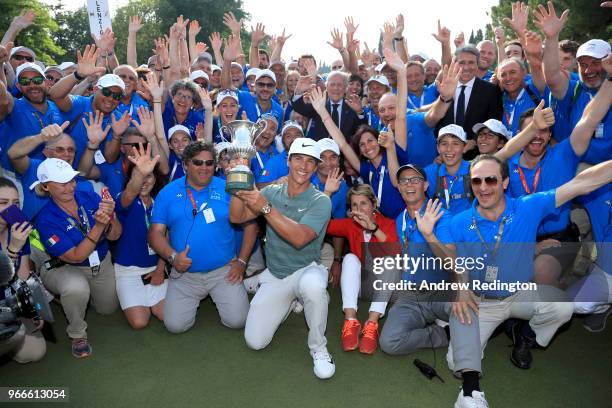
x=468 y=91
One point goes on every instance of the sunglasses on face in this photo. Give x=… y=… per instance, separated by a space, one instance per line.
x=137 y=145
x=200 y=163
x=489 y=181
x=37 y=80
x=62 y=150
x=115 y=95
x=268 y=85
x=411 y=180
x=23 y=57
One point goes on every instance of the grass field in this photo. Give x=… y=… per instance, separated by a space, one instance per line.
x=210 y=366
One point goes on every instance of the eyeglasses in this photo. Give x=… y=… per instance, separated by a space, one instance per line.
x=489 y=181
x=183 y=96
x=411 y=180
x=116 y=95
x=137 y=145
x=23 y=57
x=200 y=163
x=268 y=85
x=37 y=80
x=62 y=150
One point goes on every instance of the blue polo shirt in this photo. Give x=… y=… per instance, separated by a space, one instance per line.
x=211 y=241
x=422 y=149
x=487 y=76
x=458 y=200
x=514 y=258
x=248 y=103
x=175 y=164
x=136 y=101
x=111 y=174
x=416 y=245
x=429 y=95
x=389 y=198
x=514 y=109
x=32 y=203
x=218 y=135
x=193 y=118
x=338 y=199
x=558 y=166
x=599 y=206
x=275 y=168
x=372 y=117
x=266 y=156
x=58 y=234
x=81 y=107
x=131 y=249
x=25 y=250
x=25 y=120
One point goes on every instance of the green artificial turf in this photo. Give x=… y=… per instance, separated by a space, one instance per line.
x=210 y=366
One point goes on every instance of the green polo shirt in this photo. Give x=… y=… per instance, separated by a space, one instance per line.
x=311 y=208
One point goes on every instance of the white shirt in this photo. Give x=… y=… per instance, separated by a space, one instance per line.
x=331 y=109
x=468 y=91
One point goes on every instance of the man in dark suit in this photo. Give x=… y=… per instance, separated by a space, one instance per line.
x=343 y=115
x=475 y=100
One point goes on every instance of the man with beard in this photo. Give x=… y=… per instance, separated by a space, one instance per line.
x=109 y=91
x=573 y=96
x=29 y=114
x=486 y=60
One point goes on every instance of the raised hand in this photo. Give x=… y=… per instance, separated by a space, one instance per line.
x=215 y=41
x=543 y=118
x=427 y=221
x=461 y=307
x=393 y=60
x=366 y=55
x=258 y=33
x=351 y=28
x=364 y=219
x=547 y=20
x=86 y=62
x=107 y=40
x=107 y=205
x=520 y=16
x=399 y=26
x=304 y=84
x=142 y=160
x=318 y=99
x=280 y=39
x=606 y=64
x=182 y=24
x=150 y=84
x=53 y=131
x=95 y=133
x=232 y=23
x=334 y=180
x=199 y=131
x=19 y=235
x=500 y=35
x=161 y=50
x=232 y=48
x=146 y=127
x=5 y=52
x=135 y=24
x=310 y=67
x=386 y=139
x=354 y=103
x=533 y=45
x=450 y=78
x=24 y=19
x=459 y=40
x=387 y=33
x=121 y=125
x=201 y=48
x=443 y=34
x=352 y=45
x=194 y=28
x=337 y=42
x=206 y=100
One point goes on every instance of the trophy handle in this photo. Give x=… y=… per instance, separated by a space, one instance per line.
x=225 y=130
x=260 y=127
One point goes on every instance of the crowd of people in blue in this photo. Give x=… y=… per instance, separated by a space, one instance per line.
x=500 y=150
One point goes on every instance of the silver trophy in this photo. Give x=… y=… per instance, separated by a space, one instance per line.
x=243 y=134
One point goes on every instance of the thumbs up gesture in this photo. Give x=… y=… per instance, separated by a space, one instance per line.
x=182 y=262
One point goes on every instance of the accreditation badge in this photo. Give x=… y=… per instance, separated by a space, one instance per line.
x=491 y=273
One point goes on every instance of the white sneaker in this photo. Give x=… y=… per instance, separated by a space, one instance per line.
x=477 y=400
x=251 y=284
x=297 y=306
x=324 y=367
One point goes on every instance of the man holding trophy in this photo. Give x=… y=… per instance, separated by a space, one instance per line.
x=297 y=215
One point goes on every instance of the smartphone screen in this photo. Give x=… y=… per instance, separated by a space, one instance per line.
x=13 y=215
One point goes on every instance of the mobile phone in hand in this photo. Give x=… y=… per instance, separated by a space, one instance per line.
x=13 y=215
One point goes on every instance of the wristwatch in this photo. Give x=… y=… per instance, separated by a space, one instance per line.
x=171 y=258
x=265 y=210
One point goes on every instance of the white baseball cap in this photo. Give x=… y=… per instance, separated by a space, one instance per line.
x=109 y=80
x=494 y=126
x=226 y=93
x=277 y=62
x=23 y=49
x=214 y=68
x=56 y=69
x=265 y=73
x=66 y=65
x=178 y=128
x=236 y=65
x=221 y=147
x=307 y=146
x=291 y=124
x=55 y=170
x=329 y=144
x=252 y=71
x=454 y=130
x=594 y=48
x=198 y=73
x=381 y=79
x=380 y=67
x=29 y=66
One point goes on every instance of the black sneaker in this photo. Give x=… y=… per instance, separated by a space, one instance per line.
x=596 y=322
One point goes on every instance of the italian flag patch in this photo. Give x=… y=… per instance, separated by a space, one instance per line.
x=53 y=240
x=265 y=172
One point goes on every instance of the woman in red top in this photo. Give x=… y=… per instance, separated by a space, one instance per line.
x=365 y=225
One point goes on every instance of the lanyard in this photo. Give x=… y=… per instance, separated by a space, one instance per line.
x=510 y=119
x=448 y=190
x=380 y=182
x=500 y=232
x=404 y=233
x=421 y=101
x=536 y=179
x=84 y=226
x=260 y=162
x=174 y=168
x=147 y=216
x=194 y=206
x=221 y=134
x=36 y=114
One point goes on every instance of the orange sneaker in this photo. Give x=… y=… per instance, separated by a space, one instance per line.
x=350 y=334
x=369 y=338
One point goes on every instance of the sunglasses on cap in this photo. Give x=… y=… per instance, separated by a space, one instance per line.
x=23 y=57
x=116 y=95
x=200 y=163
x=37 y=80
x=489 y=181
x=410 y=180
x=227 y=92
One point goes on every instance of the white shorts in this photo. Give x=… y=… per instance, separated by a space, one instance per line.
x=133 y=292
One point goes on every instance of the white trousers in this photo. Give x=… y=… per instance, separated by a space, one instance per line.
x=350 y=285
